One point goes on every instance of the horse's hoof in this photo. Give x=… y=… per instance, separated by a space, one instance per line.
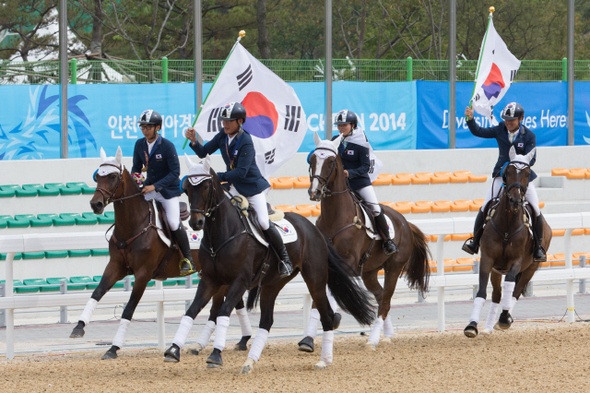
x=505 y=321
x=110 y=354
x=172 y=354
x=321 y=365
x=214 y=360
x=77 y=333
x=471 y=330
x=306 y=345
x=486 y=332
x=336 y=320
x=242 y=345
x=247 y=367
x=386 y=340
x=370 y=346
x=196 y=350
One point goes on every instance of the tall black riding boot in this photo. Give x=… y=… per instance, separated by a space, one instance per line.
x=276 y=241
x=471 y=245
x=388 y=245
x=539 y=254
x=187 y=266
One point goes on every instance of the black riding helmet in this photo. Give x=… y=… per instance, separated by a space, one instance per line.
x=150 y=117
x=345 y=116
x=512 y=111
x=233 y=111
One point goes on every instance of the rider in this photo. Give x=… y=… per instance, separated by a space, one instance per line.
x=157 y=157
x=510 y=132
x=354 y=152
x=237 y=150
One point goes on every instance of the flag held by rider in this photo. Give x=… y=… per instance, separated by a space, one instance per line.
x=275 y=118
x=496 y=70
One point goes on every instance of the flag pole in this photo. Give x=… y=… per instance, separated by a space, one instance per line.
x=241 y=35
x=492 y=9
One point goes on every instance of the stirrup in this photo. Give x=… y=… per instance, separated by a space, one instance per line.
x=285 y=269
x=186 y=267
x=470 y=247
x=390 y=247
x=539 y=255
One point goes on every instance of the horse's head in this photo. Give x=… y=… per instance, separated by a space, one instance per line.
x=322 y=167
x=516 y=177
x=108 y=179
x=199 y=187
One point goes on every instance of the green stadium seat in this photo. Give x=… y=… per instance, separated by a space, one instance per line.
x=8 y=191
x=70 y=190
x=78 y=253
x=101 y=252
x=53 y=280
x=49 y=189
x=106 y=218
x=31 y=285
x=182 y=281
x=29 y=190
x=118 y=284
x=4 y=221
x=20 y=221
x=15 y=283
x=169 y=283
x=87 y=219
x=65 y=219
x=86 y=189
x=34 y=255
x=17 y=256
x=56 y=254
x=43 y=220
x=87 y=281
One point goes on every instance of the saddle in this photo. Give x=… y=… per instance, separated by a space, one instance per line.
x=184 y=215
x=369 y=219
x=529 y=218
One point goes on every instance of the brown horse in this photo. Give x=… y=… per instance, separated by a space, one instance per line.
x=134 y=248
x=507 y=247
x=230 y=254
x=342 y=221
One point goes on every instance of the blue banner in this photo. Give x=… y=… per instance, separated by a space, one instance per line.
x=582 y=113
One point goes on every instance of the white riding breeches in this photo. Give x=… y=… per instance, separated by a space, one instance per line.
x=496 y=188
x=368 y=194
x=258 y=202
x=171 y=207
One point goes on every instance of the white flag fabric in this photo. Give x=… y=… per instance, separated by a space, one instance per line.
x=275 y=117
x=358 y=137
x=497 y=69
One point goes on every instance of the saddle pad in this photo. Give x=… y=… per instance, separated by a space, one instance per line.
x=375 y=234
x=284 y=227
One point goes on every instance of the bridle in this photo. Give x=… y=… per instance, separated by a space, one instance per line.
x=323 y=181
x=210 y=206
x=107 y=194
x=516 y=203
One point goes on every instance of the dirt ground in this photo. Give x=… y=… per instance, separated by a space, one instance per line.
x=548 y=357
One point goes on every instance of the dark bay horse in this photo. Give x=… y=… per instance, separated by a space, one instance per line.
x=507 y=248
x=134 y=248
x=341 y=220
x=231 y=255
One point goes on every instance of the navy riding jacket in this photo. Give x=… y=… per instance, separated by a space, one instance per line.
x=523 y=143
x=163 y=167
x=240 y=160
x=356 y=160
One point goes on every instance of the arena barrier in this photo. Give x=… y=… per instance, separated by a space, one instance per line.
x=11 y=244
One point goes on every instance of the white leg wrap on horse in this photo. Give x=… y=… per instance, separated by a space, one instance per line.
x=258 y=344
x=376 y=332
x=186 y=324
x=478 y=303
x=88 y=310
x=492 y=316
x=514 y=300
x=507 y=295
x=244 y=322
x=388 y=327
x=314 y=321
x=205 y=334
x=332 y=300
x=120 y=336
x=221 y=332
x=327 y=347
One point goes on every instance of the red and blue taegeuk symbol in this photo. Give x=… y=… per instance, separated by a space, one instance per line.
x=195 y=237
x=285 y=229
x=262 y=116
x=494 y=83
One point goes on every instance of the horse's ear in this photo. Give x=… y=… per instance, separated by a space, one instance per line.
x=336 y=142
x=188 y=161
x=530 y=155
x=512 y=153
x=119 y=155
x=316 y=138
x=103 y=155
x=207 y=163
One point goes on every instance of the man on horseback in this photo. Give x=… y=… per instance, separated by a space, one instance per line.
x=354 y=152
x=510 y=132
x=157 y=157
x=237 y=150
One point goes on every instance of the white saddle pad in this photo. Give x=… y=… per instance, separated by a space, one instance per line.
x=284 y=227
x=375 y=234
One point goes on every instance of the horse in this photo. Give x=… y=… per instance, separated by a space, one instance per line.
x=230 y=254
x=341 y=221
x=507 y=247
x=136 y=248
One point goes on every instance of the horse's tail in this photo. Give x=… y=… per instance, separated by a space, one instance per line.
x=253 y=296
x=348 y=294
x=417 y=269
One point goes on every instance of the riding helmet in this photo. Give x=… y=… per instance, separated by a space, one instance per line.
x=512 y=111
x=150 y=117
x=233 y=111
x=345 y=116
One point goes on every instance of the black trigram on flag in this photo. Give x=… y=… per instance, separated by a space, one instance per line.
x=213 y=123
x=269 y=156
x=292 y=118
x=372 y=166
x=245 y=77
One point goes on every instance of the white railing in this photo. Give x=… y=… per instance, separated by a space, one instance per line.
x=11 y=244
